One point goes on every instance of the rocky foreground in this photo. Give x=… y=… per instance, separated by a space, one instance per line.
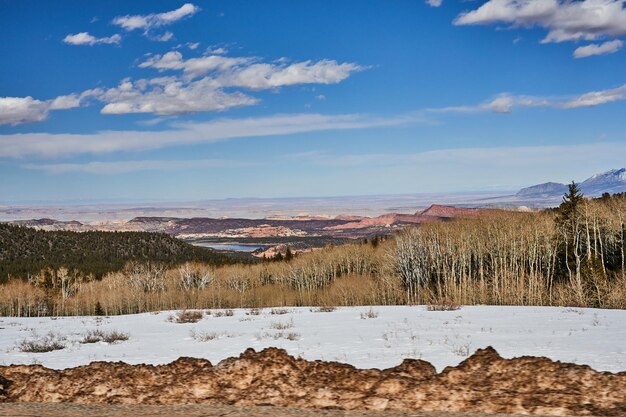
x=485 y=383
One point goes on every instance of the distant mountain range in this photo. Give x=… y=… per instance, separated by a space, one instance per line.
x=613 y=181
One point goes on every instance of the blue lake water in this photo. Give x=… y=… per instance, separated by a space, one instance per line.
x=238 y=248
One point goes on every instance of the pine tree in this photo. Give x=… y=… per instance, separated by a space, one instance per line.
x=569 y=222
x=571 y=201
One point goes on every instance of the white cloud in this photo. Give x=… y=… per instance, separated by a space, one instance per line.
x=205 y=85
x=193 y=67
x=121 y=167
x=604 y=48
x=18 y=110
x=168 y=96
x=216 y=51
x=246 y=72
x=506 y=103
x=192 y=45
x=596 y=98
x=266 y=76
x=501 y=104
x=434 y=3
x=164 y=37
x=84 y=38
x=189 y=93
x=152 y=21
x=65 y=102
x=565 y=20
x=49 y=145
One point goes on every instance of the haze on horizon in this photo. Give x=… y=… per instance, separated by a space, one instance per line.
x=175 y=101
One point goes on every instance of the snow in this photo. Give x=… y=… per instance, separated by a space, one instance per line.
x=585 y=336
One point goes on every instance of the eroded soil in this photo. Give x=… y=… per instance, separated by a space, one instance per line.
x=484 y=383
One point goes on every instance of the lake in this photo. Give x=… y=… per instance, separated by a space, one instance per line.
x=233 y=247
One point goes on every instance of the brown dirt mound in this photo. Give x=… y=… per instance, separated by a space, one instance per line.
x=484 y=382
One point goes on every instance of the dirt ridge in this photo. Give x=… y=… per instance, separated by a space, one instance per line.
x=485 y=382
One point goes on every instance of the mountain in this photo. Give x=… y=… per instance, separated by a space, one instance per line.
x=543 y=190
x=613 y=181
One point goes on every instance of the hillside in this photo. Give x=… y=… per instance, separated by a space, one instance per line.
x=25 y=251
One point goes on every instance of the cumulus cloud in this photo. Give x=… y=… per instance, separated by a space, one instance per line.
x=246 y=72
x=434 y=3
x=604 y=48
x=205 y=80
x=193 y=67
x=565 y=20
x=84 y=38
x=168 y=96
x=48 y=145
x=66 y=102
x=265 y=76
x=152 y=21
x=18 y=110
x=203 y=84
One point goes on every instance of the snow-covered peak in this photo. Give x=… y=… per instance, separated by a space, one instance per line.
x=611 y=176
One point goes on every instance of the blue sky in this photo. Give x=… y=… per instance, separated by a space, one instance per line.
x=169 y=100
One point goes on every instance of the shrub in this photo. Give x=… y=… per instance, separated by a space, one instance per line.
x=281 y=325
x=279 y=311
x=203 y=336
x=187 y=316
x=369 y=314
x=95 y=336
x=223 y=313
x=41 y=344
x=278 y=335
x=290 y=336
x=115 y=336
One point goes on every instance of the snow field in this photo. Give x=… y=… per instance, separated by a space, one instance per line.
x=367 y=337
